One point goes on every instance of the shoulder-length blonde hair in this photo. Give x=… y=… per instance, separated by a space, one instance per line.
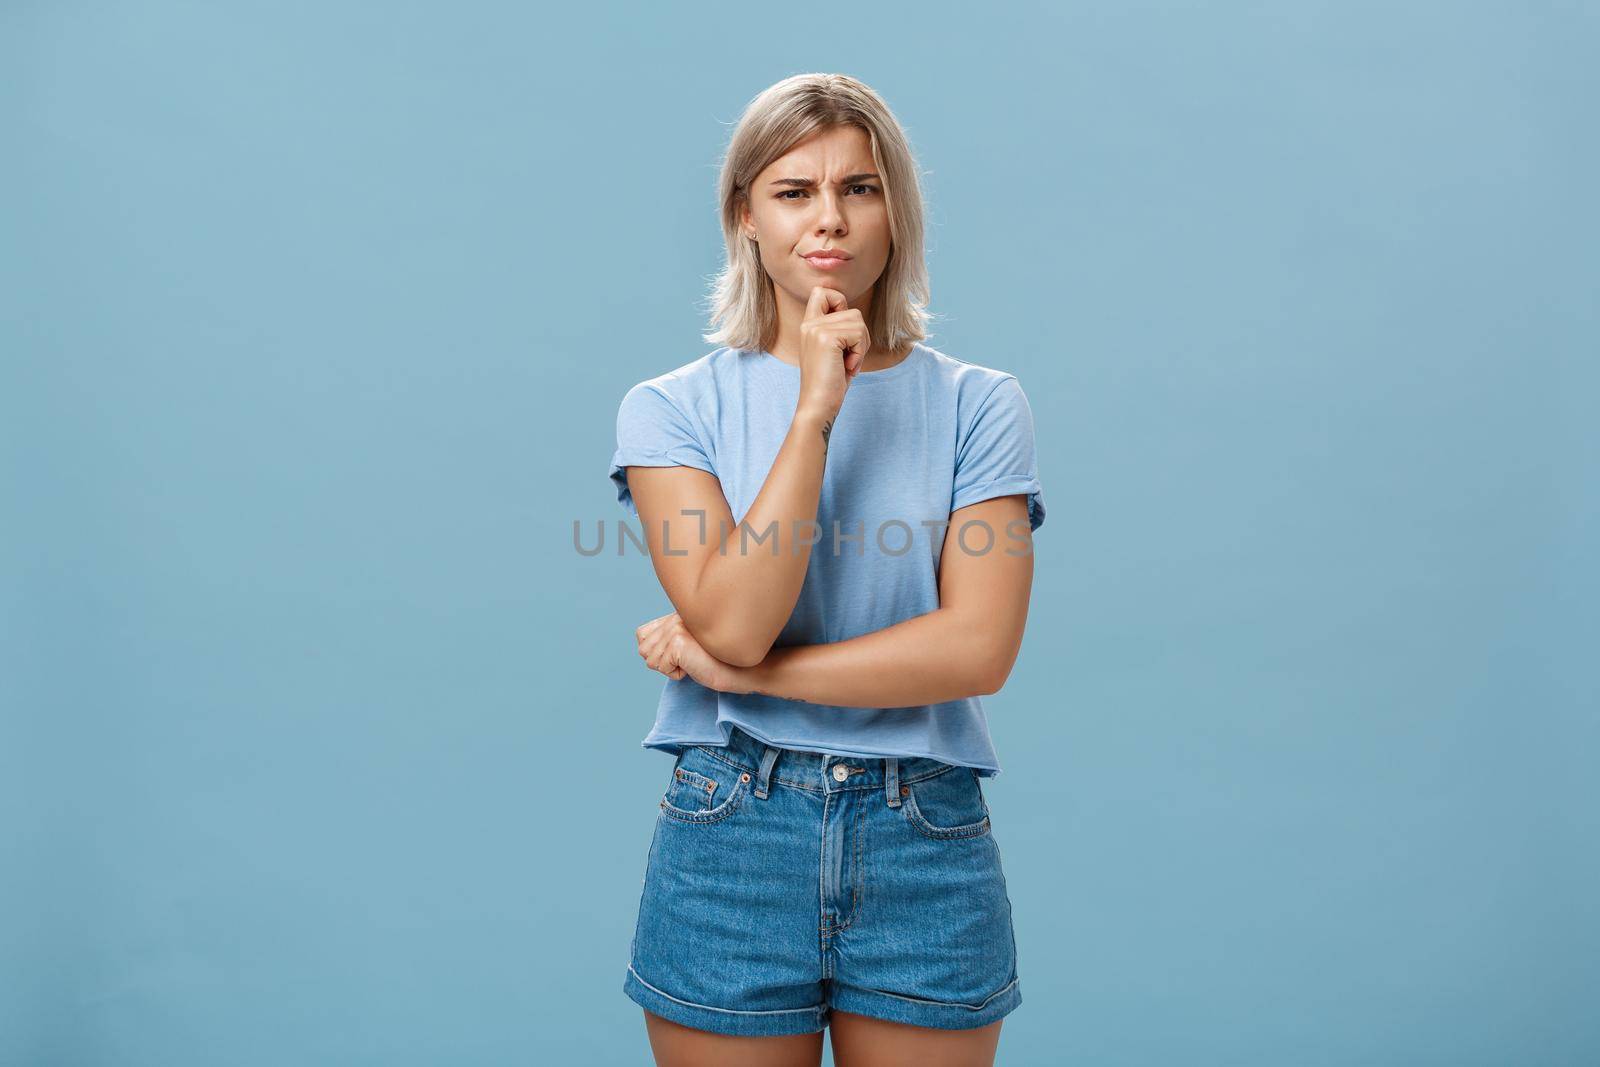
x=743 y=307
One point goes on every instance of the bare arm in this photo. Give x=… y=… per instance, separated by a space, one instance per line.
x=734 y=589
x=733 y=593
x=965 y=647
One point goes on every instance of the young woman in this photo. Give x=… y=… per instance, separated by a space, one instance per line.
x=823 y=855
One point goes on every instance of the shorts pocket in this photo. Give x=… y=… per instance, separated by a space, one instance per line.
x=703 y=788
x=946 y=806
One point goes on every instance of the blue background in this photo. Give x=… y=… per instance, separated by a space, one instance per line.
x=320 y=739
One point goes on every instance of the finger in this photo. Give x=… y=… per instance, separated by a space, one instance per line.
x=670 y=654
x=652 y=640
x=817 y=303
x=824 y=301
x=652 y=624
x=650 y=649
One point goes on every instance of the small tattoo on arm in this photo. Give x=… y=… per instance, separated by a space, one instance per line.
x=769 y=693
x=827 y=428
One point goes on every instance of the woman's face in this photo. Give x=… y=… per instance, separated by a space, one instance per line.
x=824 y=193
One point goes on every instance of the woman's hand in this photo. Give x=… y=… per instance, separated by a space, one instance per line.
x=666 y=645
x=834 y=343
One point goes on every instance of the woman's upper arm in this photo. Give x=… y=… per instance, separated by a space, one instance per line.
x=986 y=577
x=685 y=515
x=663 y=473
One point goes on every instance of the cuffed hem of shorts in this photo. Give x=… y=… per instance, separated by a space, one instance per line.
x=724 y=1020
x=940 y=1015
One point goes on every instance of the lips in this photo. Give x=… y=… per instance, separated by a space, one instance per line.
x=827 y=258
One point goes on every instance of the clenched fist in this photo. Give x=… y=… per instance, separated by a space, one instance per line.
x=666 y=645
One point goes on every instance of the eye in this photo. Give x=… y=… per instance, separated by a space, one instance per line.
x=859 y=185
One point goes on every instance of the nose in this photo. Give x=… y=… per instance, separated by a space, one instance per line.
x=832 y=218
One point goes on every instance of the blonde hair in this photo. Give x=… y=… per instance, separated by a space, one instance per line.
x=743 y=307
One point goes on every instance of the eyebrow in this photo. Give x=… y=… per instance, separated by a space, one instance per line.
x=806 y=183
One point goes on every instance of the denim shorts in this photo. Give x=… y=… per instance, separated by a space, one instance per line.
x=782 y=883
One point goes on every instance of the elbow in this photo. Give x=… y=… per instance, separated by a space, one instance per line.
x=994 y=668
x=736 y=650
x=745 y=657
x=990 y=683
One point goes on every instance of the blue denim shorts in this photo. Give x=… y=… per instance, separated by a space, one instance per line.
x=781 y=884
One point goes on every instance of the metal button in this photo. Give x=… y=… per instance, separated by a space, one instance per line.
x=840 y=772
x=905 y=790
x=745 y=777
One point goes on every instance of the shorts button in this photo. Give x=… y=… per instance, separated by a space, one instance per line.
x=745 y=777
x=840 y=772
x=905 y=790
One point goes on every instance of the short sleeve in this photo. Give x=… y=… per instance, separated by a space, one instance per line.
x=652 y=431
x=997 y=456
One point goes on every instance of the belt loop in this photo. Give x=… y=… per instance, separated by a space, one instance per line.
x=891 y=780
x=764 y=777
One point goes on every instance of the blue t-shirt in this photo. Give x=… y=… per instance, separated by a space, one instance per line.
x=911 y=443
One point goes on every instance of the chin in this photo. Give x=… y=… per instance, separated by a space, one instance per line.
x=850 y=291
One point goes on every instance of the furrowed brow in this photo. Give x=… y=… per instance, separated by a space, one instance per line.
x=807 y=183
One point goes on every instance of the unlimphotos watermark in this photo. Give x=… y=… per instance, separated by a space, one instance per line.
x=808 y=534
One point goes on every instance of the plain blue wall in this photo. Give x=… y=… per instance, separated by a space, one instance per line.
x=320 y=740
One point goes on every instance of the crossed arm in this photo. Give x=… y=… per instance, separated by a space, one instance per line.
x=965 y=647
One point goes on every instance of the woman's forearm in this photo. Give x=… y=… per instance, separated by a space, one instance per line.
x=932 y=658
x=751 y=582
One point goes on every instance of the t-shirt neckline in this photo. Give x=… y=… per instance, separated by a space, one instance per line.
x=915 y=355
